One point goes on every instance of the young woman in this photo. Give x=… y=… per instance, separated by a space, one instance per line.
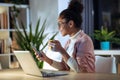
x=78 y=53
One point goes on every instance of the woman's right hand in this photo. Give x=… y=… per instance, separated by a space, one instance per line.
x=40 y=55
x=43 y=57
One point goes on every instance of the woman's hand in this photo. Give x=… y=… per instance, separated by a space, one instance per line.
x=43 y=57
x=55 y=45
x=40 y=55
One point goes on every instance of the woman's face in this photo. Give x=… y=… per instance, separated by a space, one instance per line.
x=63 y=26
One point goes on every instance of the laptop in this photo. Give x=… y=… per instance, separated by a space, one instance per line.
x=30 y=67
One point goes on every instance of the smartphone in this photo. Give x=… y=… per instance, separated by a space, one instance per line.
x=36 y=51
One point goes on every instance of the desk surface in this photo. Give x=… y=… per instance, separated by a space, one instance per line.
x=15 y=74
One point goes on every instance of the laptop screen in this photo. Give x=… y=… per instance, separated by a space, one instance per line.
x=27 y=63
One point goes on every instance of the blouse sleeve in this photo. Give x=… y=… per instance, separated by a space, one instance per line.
x=73 y=64
x=84 y=55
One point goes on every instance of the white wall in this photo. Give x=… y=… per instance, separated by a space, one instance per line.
x=62 y=4
x=46 y=9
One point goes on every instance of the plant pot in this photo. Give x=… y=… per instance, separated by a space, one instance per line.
x=105 y=45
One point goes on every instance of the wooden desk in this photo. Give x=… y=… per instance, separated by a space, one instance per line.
x=15 y=74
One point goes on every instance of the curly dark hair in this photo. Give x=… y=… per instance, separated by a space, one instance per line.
x=73 y=12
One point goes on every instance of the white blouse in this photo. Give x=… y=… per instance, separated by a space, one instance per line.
x=71 y=61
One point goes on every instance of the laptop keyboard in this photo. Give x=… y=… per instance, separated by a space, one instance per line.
x=46 y=74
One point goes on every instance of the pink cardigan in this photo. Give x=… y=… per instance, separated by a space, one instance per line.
x=84 y=53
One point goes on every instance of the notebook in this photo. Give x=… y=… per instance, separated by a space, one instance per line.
x=30 y=67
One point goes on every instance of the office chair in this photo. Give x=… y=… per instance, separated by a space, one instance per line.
x=105 y=64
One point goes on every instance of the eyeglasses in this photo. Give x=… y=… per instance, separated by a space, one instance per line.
x=61 y=23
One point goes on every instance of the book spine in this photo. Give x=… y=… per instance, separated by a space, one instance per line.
x=3 y=21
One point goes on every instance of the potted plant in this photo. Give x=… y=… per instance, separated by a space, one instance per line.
x=24 y=38
x=104 y=37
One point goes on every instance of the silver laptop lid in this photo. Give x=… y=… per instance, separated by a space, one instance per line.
x=27 y=63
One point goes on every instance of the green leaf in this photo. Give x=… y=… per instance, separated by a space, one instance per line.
x=103 y=34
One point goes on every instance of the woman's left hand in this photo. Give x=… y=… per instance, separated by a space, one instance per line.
x=55 y=45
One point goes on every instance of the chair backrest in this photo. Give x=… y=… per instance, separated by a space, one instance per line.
x=105 y=64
